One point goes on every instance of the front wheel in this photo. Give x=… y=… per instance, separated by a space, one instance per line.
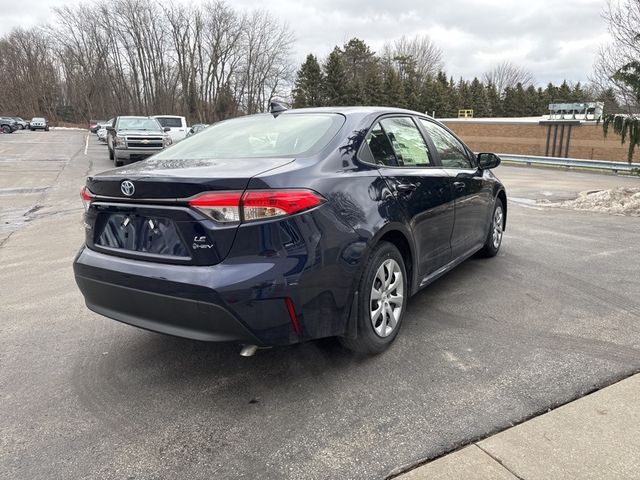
x=383 y=294
x=496 y=230
x=6 y=129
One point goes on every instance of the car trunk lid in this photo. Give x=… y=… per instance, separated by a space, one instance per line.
x=142 y=212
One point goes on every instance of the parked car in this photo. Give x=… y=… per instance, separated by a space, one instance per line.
x=94 y=125
x=8 y=125
x=21 y=123
x=135 y=138
x=177 y=126
x=102 y=130
x=276 y=229
x=39 y=123
x=197 y=128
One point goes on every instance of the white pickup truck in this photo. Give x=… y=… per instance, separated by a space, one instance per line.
x=177 y=125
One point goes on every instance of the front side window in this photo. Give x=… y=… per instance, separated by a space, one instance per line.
x=259 y=136
x=452 y=152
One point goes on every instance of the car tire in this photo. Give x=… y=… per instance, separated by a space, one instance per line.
x=496 y=228
x=46 y=129
x=32 y=129
x=379 y=319
x=117 y=162
x=6 y=129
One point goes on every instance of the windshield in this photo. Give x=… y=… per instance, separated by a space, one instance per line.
x=37 y=119
x=257 y=136
x=138 y=124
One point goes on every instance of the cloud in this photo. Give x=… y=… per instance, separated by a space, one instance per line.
x=555 y=40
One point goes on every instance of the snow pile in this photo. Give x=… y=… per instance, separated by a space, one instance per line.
x=619 y=201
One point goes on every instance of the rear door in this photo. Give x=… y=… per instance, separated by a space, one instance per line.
x=472 y=192
x=420 y=186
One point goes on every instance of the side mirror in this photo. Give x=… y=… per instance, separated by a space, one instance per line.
x=110 y=128
x=166 y=129
x=487 y=161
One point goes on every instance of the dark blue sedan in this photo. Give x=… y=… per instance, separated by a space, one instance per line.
x=280 y=228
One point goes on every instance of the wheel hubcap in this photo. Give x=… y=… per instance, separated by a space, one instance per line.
x=498 y=222
x=387 y=298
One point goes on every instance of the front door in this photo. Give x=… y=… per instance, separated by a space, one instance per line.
x=472 y=193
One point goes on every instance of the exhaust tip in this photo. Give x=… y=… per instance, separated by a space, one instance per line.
x=248 y=350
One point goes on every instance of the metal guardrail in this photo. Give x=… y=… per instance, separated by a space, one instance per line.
x=614 y=167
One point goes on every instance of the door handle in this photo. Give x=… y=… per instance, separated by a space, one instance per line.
x=459 y=185
x=406 y=187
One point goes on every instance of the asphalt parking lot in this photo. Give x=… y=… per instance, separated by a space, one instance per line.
x=555 y=315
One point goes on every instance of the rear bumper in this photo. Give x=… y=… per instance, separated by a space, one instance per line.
x=199 y=303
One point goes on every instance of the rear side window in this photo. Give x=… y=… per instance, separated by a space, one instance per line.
x=170 y=122
x=259 y=136
x=396 y=142
x=452 y=152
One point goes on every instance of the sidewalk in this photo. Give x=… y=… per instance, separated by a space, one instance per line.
x=595 y=437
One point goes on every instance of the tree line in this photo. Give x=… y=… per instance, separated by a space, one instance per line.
x=355 y=75
x=206 y=61
x=209 y=61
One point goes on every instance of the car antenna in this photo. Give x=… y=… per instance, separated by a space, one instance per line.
x=276 y=108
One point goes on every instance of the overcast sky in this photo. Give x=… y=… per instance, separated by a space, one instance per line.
x=555 y=39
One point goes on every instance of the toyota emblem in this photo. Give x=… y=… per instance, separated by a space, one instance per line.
x=127 y=188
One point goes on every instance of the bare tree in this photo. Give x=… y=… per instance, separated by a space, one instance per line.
x=508 y=75
x=425 y=55
x=206 y=61
x=623 y=22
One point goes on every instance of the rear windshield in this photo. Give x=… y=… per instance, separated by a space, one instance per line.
x=258 y=136
x=138 y=124
x=170 y=122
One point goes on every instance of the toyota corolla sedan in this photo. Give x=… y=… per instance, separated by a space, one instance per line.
x=280 y=228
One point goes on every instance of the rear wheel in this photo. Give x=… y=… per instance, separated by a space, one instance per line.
x=383 y=294
x=496 y=229
x=6 y=129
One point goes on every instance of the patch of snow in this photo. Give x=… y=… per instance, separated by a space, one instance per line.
x=618 y=201
x=69 y=128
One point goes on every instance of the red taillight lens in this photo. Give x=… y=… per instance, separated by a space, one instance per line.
x=221 y=207
x=227 y=207
x=259 y=205
x=87 y=197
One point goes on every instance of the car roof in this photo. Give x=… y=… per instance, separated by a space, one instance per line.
x=359 y=110
x=167 y=116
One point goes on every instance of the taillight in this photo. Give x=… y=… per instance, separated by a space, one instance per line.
x=259 y=205
x=228 y=207
x=87 y=197
x=221 y=207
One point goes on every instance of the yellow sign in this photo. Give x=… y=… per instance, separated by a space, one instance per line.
x=465 y=113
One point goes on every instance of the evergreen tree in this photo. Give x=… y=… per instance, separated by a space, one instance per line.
x=564 y=93
x=611 y=105
x=479 y=99
x=494 y=101
x=309 y=86
x=531 y=105
x=360 y=64
x=335 y=79
x=394 y=91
